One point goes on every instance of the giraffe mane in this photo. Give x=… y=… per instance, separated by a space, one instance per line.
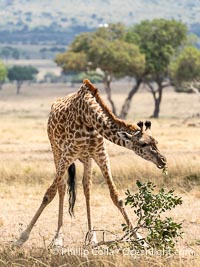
x=100 y=101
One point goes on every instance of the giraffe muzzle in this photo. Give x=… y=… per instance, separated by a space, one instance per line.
x=162 y=162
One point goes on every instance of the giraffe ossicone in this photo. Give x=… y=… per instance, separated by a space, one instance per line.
x=77 y=126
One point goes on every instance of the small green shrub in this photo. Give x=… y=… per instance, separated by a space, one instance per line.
x=158 y=233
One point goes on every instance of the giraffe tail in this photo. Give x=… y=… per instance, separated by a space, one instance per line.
x=71 y=187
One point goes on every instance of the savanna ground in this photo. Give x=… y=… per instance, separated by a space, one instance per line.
x=27 y=169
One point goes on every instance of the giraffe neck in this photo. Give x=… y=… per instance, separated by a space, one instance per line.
x=97 y=115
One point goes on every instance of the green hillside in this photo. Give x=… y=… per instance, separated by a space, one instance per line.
x=57 y=22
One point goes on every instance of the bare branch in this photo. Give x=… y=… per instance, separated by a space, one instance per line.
x=166 y=85
x=151 y=87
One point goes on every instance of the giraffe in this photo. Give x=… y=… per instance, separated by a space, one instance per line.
x=77 y=126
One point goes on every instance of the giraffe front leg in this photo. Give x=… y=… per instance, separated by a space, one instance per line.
x=102 y=161
x=87 y=175
x=48 y=197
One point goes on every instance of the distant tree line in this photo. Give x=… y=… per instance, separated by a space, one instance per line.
x=48 y=52
x=55 y=33
x=9 y=52
x=52 y=34
x=12 y=52
x=156 y=53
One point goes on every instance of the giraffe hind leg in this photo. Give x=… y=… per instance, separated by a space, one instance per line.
x=59 y=236
x=90 y=238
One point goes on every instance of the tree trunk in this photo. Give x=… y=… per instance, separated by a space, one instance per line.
x=1 y=85
x=157 y=96
x=127 y=102
x=156 y=109
x=19 y=84
x=107 y=82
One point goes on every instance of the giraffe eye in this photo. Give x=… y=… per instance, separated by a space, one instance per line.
x=145 y=144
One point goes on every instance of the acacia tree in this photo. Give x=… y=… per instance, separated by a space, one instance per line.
x=105 y=49
x=185 y=69
x=3 y=74
x=159 y=40
x=116 y=59
x=20 y=74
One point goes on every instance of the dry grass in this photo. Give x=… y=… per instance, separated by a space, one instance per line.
x=42 y=257
x=26 y=170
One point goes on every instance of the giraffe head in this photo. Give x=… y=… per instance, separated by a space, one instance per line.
x=144 y=145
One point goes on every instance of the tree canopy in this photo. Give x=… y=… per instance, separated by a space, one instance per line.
x=3 y=71
x=116 y=58
x=158 y=40
x=185 y=70
x=21 y=74
x=186 y=66
x=3 y=74
x=72 y=61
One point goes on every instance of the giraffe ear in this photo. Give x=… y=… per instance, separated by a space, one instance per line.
x=147 y=125
x=124 y=135
x=140 y=124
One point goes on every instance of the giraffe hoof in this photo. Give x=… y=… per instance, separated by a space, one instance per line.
x=91 y=239
x=141 y=240
x=18 y=243
x=57 y=242
x=23 y=238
